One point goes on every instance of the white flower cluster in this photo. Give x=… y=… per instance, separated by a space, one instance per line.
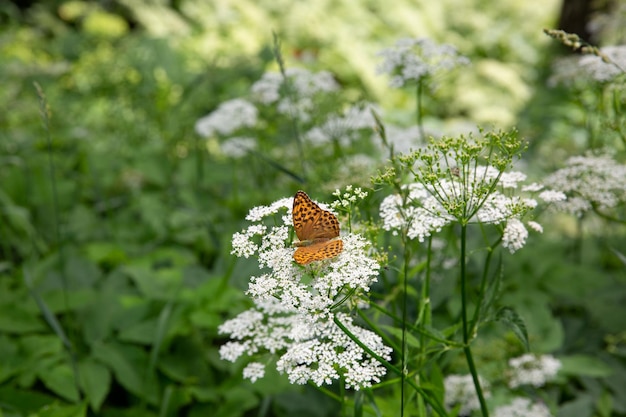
x=227 y=118
x=460 y=391
x=589 y=182
x=424 y=211
x=237 y=146
x=410 y=60
x=298 y=102
x=343 y=129
x=522 y=407
x=402 y=139
x=603 y=71
x=533 y=370
x=294 y=311
x=568 y=70
x=350 y=196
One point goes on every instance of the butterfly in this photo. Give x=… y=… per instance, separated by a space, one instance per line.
x=316 y=229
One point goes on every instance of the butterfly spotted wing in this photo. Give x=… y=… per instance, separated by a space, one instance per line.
x=315 y=228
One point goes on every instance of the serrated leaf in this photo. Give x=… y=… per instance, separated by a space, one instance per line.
x=510 y=318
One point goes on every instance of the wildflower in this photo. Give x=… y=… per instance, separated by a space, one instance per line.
x=297 y=99
x=522 y=407
x=460 y=391
x=227 y=118
x=599 y=69
x=411 y=60
x=296 y=307
x=344 y=129
x=424 y=213
x=236 y=147
x=254 y=371
x=570 y=70
x=452 y=186
x=403 y=140
x=533 y=370
x=590 y=183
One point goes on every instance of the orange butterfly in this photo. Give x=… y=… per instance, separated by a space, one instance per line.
x=315 y=228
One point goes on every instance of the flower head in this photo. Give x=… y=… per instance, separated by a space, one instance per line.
x=522 y=407
x=453 y=186
x=589 y=182
x=411 y=60
x=533 y=370
x=295 y=95
x=227 y=118
x=296 y=306
x=460 y=391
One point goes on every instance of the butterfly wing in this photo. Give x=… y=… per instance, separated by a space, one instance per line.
x=310 y=221
x=318 y=251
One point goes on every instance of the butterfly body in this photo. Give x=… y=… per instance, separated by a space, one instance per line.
x=316 y=229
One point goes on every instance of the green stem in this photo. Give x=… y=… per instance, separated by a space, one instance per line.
x=466 y=346
x=420 y=114
x=407 y=255
x=432 y=401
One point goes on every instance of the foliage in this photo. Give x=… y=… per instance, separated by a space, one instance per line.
x=116 y=217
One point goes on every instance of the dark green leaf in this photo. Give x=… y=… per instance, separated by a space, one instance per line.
x=510 y=318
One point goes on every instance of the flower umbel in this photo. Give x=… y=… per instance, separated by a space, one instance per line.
x=411 y=60
x=522 y=407
x=460 y=392
x=453 y=185
x=295 y=306
x=591 y=182
x=533 y=370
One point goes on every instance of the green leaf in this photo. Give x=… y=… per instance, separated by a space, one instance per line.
x=61 y=380
x=130 y=366
x=62 y=410
x=510 y=318
x=95 y=381
x=14 y=318
x=411 y=340
x=582 y=406
x=583 y=365
x=24 y=400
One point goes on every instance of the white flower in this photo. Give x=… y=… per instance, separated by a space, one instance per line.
x=595 y=67
x=254 y=371
x=310 y=348
x=228 y=117
x=522 y=407
x=410 y=60
x=515 y=235
x=343 y=129
x=403 y=140
x=236 y=147
x=295 y=100
x=589 y=182
x=581 y=69
x=295 y=305
x=533 y=370
x=324 y=349
x=426 y=209
x=460 y=390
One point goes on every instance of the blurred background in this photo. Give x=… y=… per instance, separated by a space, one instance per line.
x=116 y=214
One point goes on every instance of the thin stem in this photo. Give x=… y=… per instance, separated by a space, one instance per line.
x=45 y=116
x=407 y=255
x=290 y=91
x=466 y=346
x=420 y=113
x=434 y=403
